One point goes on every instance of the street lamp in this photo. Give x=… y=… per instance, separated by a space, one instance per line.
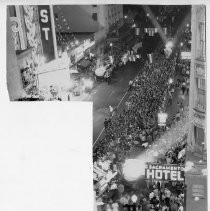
x=111 y=44
x=181 y=44
x=188 y=24
x=147 y=14
x=76 y=42
x=125 y=16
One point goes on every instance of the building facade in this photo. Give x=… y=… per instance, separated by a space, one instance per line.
x=196 y=157
x=24 y=48
x=197 y=100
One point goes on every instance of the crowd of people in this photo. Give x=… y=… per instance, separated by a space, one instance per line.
x=137 y=127
x=149 y=93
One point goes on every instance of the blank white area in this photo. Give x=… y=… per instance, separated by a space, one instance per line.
x=46 y=156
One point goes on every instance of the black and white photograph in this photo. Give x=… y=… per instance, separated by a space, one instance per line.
x=143 y=68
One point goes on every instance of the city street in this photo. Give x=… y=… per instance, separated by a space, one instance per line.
x=143 y=68
x=114 y=94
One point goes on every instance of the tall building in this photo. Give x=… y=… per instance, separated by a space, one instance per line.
x=24 y=48
x=196 y=166
x=197 y=138
x=98 y=19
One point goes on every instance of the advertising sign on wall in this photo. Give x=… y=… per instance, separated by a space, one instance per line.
x=164 y=172
x=46 y=32
x=186 y=55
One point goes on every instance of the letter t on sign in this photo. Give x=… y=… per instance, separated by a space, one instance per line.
x=46 y=30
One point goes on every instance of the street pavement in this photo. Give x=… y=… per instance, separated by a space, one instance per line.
x=114 y=94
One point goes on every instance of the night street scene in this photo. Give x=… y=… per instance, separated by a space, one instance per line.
x=144 y=69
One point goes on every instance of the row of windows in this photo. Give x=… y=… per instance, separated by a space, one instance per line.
x=201 y=83
x=201 y=97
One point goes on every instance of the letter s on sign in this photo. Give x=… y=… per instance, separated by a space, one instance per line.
x=44 y=16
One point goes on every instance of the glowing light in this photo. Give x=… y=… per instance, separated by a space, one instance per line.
x=134 y=198
x=188 y=166
x=196 y=198
x=88 y=83
x=125 y=16
x=170 y=81
x=147 y=14
x=204 y=172
x=134 y=25
x=188 y=24
x=111 y=44
x=162 y=118
x=169 y=44
x=77 y=42
x=181 y=44
x=133 y=169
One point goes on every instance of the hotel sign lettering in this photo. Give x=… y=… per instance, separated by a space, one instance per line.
x=46 y=32
x=164 y=172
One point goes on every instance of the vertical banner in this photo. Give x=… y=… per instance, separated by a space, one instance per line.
x=165 y=30
x=137 y=31
x=150 y=58
x=46 y=32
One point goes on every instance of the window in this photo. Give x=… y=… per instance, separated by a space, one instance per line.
x=94 y=5
x=201 y=99
x=12 y=11
x=56 y=16
x=199 y=135
x=94 y=16
x=201 y=28
x=201 y=83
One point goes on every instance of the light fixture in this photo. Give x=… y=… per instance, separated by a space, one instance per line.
x=134 y=25
x=181 y=44
x=170 y=81
x=196 y=198
x=169 y=44
x=147 y=14
x=125 y=16
x=133 y=169
x=134 y=198
x=111 y=44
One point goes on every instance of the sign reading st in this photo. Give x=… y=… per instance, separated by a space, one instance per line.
x=46 y=32
x=164 y=172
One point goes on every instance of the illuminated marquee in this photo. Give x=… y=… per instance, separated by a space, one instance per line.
x=164 y=172
x=46 y=32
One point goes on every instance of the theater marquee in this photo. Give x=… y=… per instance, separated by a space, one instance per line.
x=46 y=30
x=164 y=172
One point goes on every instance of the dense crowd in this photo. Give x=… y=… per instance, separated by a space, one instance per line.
x=149 y=93
x=137 y=127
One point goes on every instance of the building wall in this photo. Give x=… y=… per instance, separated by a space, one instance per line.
x=14 y=81
x=79 y=18
x=197 y=100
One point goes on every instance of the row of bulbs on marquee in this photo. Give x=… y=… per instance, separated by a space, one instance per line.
x=63 y=38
